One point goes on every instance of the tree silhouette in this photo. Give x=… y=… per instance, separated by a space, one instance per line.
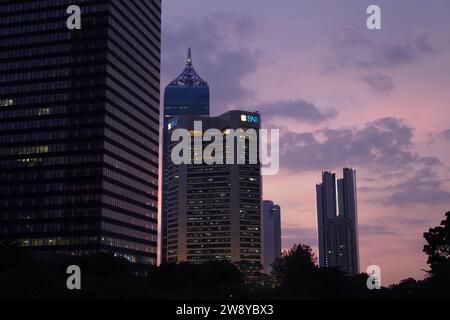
x=438 y=251
x=438 y=247
x=294 y=270
x=407 y=288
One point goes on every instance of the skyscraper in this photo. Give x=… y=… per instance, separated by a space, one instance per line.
x=271 y=234
x=338 y=233
x=214 y=210
x=79 y=126
x=187 y=94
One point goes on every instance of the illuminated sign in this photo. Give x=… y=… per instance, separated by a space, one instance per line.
x=249 y=118
x=173 y=124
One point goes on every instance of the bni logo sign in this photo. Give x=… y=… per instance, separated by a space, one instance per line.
x=249 y=118
x=173 y=124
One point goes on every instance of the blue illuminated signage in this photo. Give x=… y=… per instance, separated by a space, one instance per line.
x=250 y=118
x=173 y=124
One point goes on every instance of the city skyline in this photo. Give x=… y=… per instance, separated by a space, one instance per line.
x=326 y=80
x=341 y=94
x=124 y=173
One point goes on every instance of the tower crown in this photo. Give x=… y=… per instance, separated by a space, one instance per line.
x=189 y=76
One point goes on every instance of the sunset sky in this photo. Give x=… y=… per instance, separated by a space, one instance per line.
x=342 y=95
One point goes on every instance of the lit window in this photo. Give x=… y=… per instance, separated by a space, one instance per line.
x=6 y=103
x=44 y=111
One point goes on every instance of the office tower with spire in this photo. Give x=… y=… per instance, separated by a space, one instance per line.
x=271 y=231
x=79 y=127
x=338 y=229
x=188 y=94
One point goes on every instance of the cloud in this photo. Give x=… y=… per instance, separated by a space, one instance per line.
x=425 y=187
x=430 y=161
x=219 y=55
x=355 y=49
x=373 y=229
x=394 y=55
x=299 y=110
x=349 y=37
x=383 y=145
x=414 y=222
x=446 y=134
x=297 y=235
x=423 y=43
x=380 y=83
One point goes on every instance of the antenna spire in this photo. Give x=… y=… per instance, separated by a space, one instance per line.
x=189 y=58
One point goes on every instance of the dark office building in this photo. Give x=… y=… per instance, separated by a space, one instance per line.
x=214 y=210
x=79 y=126
x=187 y=94
x=338 y=232
x=271 y=234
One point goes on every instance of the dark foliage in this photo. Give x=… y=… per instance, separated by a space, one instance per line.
x=294 y=268
x=298 y=276
x=295 y=275
x=437 y=284
x=438 y=248
x=438 y=251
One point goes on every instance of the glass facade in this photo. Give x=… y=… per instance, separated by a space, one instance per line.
x=188 y=94
x=79 y=126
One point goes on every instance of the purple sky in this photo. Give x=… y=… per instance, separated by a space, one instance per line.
x=342 y=95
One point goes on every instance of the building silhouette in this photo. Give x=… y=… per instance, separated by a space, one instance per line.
x=271 y=234
x=338 y=229
x=187 y=94
x=214 y=210
x=79 y=127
